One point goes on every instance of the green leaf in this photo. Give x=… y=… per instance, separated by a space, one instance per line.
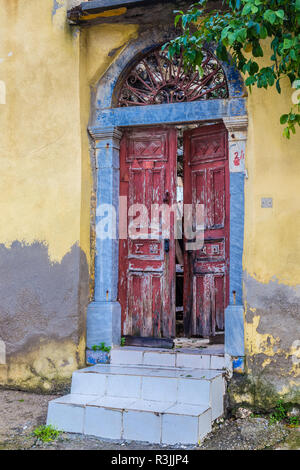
x=263 y=32
x=253 y=68
x=270 y=16
x=284 y=118
x=287 y=43
x=250 y=81
x=246 y=10
x=242 y=35
x=222 y=52
x=257 y=51
x=280 y=13
x=271 y=80
x=177 y=18
x=224 y=32
x=278 y=87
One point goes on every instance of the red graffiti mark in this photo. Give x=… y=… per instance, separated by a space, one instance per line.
x=237 y=159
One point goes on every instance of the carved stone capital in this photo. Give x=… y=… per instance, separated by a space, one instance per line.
x=106 y=133
x=236 y=124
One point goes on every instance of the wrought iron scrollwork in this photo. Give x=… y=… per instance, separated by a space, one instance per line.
x=156 y=79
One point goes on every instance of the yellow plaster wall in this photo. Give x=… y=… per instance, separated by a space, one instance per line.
x=272 y=241
x=40 y=127
x=104 y=43
x=48 y=69
x=44 y=143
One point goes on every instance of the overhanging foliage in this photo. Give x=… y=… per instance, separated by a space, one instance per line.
x=238 y=31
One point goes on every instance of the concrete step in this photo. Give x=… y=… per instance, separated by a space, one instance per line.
x=186 y=386
x=209 y=358
x=130 y=419
x=159 y=404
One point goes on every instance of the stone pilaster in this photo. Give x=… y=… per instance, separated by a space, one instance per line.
x=234 y=314
x=104 y=314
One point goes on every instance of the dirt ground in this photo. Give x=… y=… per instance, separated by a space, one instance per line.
x=21 y=413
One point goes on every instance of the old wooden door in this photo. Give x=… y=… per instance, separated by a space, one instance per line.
x=206 y=181
x=147 y=262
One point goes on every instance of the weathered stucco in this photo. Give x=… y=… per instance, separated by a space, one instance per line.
x=272 y=247
x=41 y=146
x=42 y=314
x=42 y=317
x=46 y=188
x=44 y=250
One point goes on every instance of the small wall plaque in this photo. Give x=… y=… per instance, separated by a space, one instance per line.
x=266 y=202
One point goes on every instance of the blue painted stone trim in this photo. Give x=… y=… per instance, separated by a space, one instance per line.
x=97 y=357
x=238 y=365
x=170 y=113
x=235 y=82
x=103 y=324
x=236 y=236
x=234 y=330
x=108 y=182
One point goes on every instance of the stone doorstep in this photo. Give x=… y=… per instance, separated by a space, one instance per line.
x=188 y=358
x=217 y=349
x=151 y=371
x=186 y=386
x=129 y=402
x=125 y=418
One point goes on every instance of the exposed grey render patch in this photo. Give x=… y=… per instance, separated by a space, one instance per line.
x=41 y=300
x=278 y=307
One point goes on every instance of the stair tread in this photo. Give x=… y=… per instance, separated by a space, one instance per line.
x=212 y=350
x=132 y=404
x=77 y=399
x=152 y=371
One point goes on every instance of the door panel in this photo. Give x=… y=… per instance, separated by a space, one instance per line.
x=206 y=181
x=147 y=269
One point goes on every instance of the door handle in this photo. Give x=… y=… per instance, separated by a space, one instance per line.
x=167 y=245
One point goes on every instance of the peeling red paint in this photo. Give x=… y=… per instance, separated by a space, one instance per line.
x=206 y=181
x=147 y=272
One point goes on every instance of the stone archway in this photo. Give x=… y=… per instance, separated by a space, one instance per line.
x=103 y=316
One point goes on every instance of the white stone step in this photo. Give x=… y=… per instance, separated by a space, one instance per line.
x=211 y=358
x=126 y=418
x=144 y=403
x=189 y=386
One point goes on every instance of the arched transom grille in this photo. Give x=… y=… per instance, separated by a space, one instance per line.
x=156 y=79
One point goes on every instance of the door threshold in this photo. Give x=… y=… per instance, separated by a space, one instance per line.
x=149 y=342
x=209 y=350
x=199 y=343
